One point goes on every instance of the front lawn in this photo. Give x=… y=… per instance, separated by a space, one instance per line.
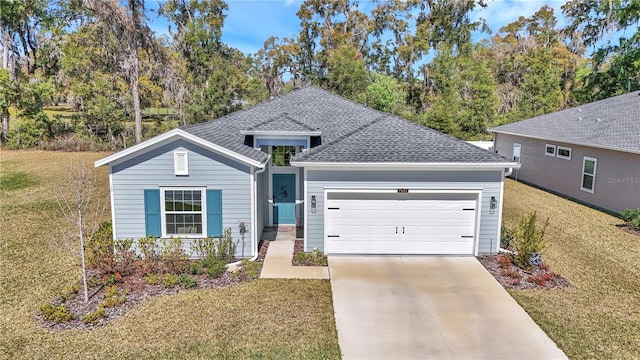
x=260 y=319
x=599 y=316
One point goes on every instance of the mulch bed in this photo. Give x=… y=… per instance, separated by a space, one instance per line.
x=510 y=276
x=630 y=229
x=298 y=247
x=136 y=291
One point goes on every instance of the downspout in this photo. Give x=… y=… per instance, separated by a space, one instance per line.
x=254 y=190
x=508 y=172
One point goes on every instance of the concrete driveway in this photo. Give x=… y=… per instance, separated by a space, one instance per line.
x=429 y=308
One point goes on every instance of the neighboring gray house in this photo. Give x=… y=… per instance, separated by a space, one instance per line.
x=590 y=153
x=360 y=181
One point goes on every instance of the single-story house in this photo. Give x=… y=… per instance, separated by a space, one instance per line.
x=358 y=180
x=589 y=153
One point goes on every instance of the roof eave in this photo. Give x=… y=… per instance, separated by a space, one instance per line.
x=408 y=166
x=281 y=133
x=178 y=133
x=613 y=148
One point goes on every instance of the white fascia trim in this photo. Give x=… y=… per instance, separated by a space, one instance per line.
x=281 y=133
x=414 y=190
x=113 y=207
x=182 y=134
x=569 y=142
x=407 y=166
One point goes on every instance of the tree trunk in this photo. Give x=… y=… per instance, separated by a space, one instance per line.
x=4 y=134
x=84 y=267
x=135 y=83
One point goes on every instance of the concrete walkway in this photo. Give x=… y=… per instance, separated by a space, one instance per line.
x=277 y=263
x=429 y=308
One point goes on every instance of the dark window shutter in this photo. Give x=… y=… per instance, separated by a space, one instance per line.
x=214 y=213
x=152 y=221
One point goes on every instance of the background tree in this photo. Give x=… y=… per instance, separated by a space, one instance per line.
x=615 y=67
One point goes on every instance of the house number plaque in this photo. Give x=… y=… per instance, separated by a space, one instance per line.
x=403 y=191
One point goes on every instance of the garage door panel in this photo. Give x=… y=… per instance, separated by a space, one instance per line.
x=364 y=225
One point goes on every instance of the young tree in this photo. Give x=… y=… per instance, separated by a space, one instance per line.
x=76 y=200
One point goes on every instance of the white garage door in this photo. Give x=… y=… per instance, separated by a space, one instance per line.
x=403 y=223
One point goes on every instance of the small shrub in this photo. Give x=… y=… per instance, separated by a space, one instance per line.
x=124 y=256
x=204 y=247
x=506 y=236
x=631 y=217
x=195 y=268
x=58 y=314
x=541 y=279
x=251 y=268
x=173 y=256
x=315 y=258
x=528 y=239
x=213 y=266
x=170 y=280
x=504 y=261
x=94 y=281
x=95 y=316
x=112 y=279
x=113 y=297
x=511 y=273
x=222 y=248
x=187 y=281
x=151 y=279
x=99 y=249
x=69 y=292
x=150 y=252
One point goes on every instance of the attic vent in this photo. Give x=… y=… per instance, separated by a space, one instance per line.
x=598 y=120
x=579 y=118
x=578 y=110
x=181 y=163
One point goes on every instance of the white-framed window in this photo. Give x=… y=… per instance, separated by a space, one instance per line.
x=181 y=163
x=589 y=165
x=563 y=152
x=282 y=155
x=183 y=212
x=550 y=150
x=516 y=152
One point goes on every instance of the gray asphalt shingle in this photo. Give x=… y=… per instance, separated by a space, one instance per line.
x=612 y=123
x=351 y=132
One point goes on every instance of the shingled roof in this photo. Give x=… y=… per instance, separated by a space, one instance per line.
x=612 y=123
x=351 y=132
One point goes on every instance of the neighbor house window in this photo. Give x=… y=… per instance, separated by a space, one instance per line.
x=550 y=150
x=183 y=212
x=282 y=155
x=564 y=152
x=181 y=163
x=589 y=173
x=516 y=152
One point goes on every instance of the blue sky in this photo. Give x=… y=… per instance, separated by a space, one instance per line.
x=250 y=22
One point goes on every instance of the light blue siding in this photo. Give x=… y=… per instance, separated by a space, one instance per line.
x=155 y=169
x=488 y=181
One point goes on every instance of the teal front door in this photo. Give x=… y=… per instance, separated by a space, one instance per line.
x=284 y=198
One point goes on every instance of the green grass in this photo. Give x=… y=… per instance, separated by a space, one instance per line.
x=599 y=317
x=270 y=319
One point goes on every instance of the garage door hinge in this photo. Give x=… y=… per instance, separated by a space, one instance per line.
x=467 y=236
x=333 y=208
x=333 y=235
x=468 y=209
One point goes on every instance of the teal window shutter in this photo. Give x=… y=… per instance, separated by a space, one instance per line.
x=152 y=214
x=214 y=213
